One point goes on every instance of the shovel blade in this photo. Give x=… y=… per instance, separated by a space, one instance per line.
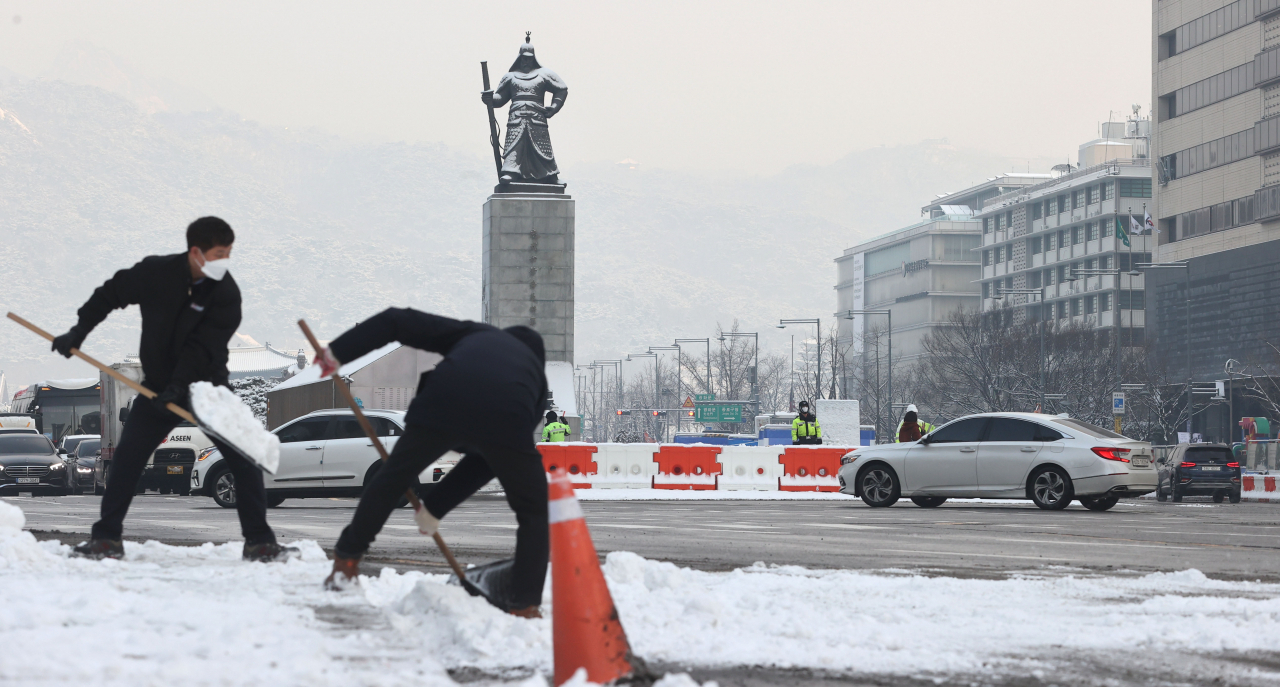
x=491 y=580
x=212 y=433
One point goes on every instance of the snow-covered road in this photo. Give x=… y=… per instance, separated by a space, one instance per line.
x=200 y=616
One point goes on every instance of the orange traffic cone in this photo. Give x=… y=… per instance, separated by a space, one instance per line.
x=585 y=627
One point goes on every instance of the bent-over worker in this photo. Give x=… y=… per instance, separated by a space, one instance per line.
x=499 y=370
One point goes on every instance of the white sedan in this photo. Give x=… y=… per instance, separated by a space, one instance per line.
x=323 y=454
x=1048 y=459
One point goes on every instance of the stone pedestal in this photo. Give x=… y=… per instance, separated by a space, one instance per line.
x=528 y=266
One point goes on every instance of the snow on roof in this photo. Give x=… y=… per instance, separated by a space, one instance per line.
x=311 y=374
x=79 y=383
x=247 y=359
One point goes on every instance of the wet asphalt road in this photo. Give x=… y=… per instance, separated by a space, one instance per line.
x=985 y=539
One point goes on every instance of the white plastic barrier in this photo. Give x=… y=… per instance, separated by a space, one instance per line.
x=750 y=468
x=625 y=466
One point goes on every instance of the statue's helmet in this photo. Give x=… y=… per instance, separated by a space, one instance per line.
x=526 y=49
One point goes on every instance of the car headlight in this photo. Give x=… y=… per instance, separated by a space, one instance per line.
x=848 y=458
x=206 y=453
x=58 y=466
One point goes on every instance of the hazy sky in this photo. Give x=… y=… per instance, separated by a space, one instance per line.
x=730 y=86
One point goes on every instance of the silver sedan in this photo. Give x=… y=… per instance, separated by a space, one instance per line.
x=1049 y=459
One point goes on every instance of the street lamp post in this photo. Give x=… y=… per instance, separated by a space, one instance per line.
x=848 y=315
x=1031 y=292
x=755 y=395
x=595 y=419
x=617 y=390
x=782 y=324
x=675 y=348
x=655 y=382
x=1179 y=266
x=706 y=341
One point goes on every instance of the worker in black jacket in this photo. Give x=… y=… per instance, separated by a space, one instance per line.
x=190 y=309
x=497 y=379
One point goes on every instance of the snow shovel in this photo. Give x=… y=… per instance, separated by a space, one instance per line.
x=479 y=581
x=224 y=423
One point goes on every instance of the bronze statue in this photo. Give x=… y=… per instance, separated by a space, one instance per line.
x=527 y=156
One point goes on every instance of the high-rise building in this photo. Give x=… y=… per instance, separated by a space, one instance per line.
x=1044 y=236
x=1216 y=90
x=922 y=273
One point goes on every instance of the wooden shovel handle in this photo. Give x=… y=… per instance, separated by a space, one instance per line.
x=341 y=383
x=173 y=407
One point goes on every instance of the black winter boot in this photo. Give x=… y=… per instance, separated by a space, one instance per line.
x=269 y=552
x=97 y=549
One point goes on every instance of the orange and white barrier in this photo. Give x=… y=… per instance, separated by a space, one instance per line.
x=750 y=468
x=1259 y=488
x=697 y=466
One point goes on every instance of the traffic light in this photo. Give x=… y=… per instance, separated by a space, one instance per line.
x=624 y=412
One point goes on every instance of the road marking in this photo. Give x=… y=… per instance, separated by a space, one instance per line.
x=982 y=555
x=630 y=527
x=1096 y=543
x=845 y=526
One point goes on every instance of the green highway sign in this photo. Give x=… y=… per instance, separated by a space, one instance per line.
x=718 y=413
x=703 y=398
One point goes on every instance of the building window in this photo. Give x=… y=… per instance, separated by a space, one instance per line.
x=1008 y=218
x=1033 y=280
x=1088 y=305
x=1104 y=229
x=986 y=225
x=1206 y=156
x=986 y=289
x=1214 y=89
x=1132 y=300
x=1062 y=273
x=1093 y=231
x=1104 y=302
x=1105 y=262
x=1034 y=246
x=1088 y=265
x=1135 y=188
x=1108 y=191
x=1064 y=203
x=999 y=254
x=1048 y=278
x=1130 y=260
x=1037 y=211
x=1062 y=238
x=1075 y=307
x=1206 y=28
x=1062 y=310
x=986 y=258
x=1008 y=282
x=1048 y=243
x=1090 y=196
x=1052 y=204
x=1008 y=253
x=1075 y=235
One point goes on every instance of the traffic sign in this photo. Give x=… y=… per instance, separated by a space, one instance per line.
x=688 y=402
x=1117 y=403
x=718 y=413
x=704 y=398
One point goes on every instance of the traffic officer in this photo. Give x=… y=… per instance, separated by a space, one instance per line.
x=805 y=428
x=925 y=427
x=555 y=430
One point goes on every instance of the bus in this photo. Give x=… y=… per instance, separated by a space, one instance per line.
x=62 y=407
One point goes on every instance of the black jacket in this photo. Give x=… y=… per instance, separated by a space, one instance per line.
x=185 y=326
x=489 y=382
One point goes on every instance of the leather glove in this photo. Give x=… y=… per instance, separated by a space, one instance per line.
x=175 y=394
x=72 y=339
x=327 y=362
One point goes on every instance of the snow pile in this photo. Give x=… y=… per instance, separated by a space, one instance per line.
x=253 y=392
x=220 y=410
x=201 y=616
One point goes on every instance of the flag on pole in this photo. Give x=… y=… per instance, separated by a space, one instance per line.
x=1151 y=224
x=1135 y=227
x=1120 y=232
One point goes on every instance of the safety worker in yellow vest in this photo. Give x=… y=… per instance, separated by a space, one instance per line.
x=555 y=430
x=925 y=427
x=805 y=428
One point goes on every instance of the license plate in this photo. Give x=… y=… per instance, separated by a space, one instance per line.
x=28 y=480
x=1141 y=462
x=1214 y=468
x=175 y=469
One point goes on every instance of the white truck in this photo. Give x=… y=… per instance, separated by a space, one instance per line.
x=169 y=468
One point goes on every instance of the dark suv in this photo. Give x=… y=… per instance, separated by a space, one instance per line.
x=1199 y=469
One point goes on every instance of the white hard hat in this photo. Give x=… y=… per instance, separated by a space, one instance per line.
x=911 y=408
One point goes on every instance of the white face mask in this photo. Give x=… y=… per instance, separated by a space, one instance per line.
x=216 y=269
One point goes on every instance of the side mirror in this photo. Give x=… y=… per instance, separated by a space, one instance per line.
x=925 y=440
x=124 y=414
x=62 y=451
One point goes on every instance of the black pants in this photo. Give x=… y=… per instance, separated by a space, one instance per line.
x=146 y=427
x=810 y=440
x=519 y=470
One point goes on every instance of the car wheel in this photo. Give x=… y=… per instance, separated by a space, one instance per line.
x=224 y=488
x=1174 y=493
x=1100 y=503
x=1160 y=495
x=880 y=488
x=928 y=501
x=1219 y=497
x=1235 y=497
x=98 y=489
x=273 y=501
x=1050 y=488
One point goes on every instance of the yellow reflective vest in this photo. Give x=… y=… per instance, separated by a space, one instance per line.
x=555 y=431
x=801 y=429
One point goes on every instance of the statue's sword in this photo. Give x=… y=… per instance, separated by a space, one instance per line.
x=493 y=124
